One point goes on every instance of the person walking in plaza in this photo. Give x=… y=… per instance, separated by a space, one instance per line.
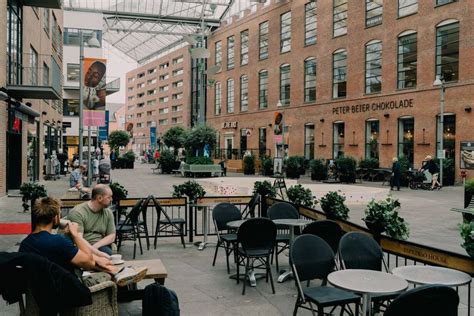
x=396 y=174
x=432 y=168
x=96 y=221
x=70 y=250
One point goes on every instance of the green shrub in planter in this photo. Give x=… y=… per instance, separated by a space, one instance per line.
x=167 y=161
x=249 y=164
x=404 y=167
x=128 y=159
x=264 y=188
x=467 y=233
x=30 y=192
x=369 y=163
x=346 y=169
x=191 y=189
x=199 y=160
x=448 y=171
x=301 y=164
x=118 y=192
x=333 y=205
x=382 y=216
x=292 y=167
x=267 y=166
x=318 y=169
x=301 y=196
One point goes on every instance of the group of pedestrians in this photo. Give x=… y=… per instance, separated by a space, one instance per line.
x=427 y=165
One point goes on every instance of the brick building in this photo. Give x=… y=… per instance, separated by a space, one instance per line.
x=31 y=88
x=348 y=79
x=158 y=94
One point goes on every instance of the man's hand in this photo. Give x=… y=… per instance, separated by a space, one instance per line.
x=103 y=262
x=103 y=255
x=72 y=229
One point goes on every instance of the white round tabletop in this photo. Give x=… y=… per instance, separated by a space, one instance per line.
x=235 y=224
x=291 y=221
x=432 y=275
x=367 y=281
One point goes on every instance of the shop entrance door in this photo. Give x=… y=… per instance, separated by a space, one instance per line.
x=14 y=161
x=243 y=142
x=229 y=144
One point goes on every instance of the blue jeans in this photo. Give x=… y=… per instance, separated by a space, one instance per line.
x=106 y=249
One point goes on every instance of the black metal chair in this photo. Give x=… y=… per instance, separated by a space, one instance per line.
x=129 y=229
x=312 y=258
x=166 y=225
x=255 y=242
x=429 y=300
x=328 y=230
x=222 y=214
x=249 y=209
x=360 y=251
x=282 y=210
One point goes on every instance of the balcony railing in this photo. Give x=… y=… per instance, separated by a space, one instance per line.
x=38 y=77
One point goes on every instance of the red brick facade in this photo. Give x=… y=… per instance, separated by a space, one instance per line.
x=422 y=103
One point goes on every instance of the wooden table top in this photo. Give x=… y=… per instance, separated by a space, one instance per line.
x=156 y=269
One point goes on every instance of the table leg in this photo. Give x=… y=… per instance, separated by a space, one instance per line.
x=286 y=274
x=205 y=226
x=366 y=307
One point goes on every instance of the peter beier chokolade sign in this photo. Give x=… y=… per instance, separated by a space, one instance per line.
x=375 y=106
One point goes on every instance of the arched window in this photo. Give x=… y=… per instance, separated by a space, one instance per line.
x=310 y=79
x=407 y=60
x=285 y=84
x=373 y=67
x=339 y=72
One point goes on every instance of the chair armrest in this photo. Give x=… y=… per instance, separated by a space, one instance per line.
x=102 y=286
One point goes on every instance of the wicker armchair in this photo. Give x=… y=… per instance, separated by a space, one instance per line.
x=104 y=302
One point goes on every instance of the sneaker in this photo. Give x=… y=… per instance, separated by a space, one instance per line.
x=129 y=275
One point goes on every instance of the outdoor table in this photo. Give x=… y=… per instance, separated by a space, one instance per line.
x=205 y=226
x=291 y=223
x=421 y=275
x=367 y=282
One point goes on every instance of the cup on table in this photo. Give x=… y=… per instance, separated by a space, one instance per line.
x=116 y=259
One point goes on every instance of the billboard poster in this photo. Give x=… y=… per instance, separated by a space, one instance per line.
x=467 y=155
x=104 y=130
x=94 y=70
x=153 y=136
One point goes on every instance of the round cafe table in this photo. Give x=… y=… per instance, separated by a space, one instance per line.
x=367 y=282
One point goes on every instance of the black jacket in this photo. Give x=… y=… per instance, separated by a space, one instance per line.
x=53 y=287
x=431 y=166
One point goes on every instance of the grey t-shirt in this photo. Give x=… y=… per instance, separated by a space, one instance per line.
x=94 y=225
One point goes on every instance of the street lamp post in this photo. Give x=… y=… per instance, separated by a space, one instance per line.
x=440 y=154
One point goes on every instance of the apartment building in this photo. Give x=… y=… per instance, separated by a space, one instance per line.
x=158 y=95
x=348 y=78
x=31 y=88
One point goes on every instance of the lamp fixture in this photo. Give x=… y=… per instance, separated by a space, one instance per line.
x=44 y=113
x=93 y=41
x=321 y=120
x=468 y=109
x=386 y=115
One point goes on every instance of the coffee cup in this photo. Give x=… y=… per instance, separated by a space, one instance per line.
x=116 y=258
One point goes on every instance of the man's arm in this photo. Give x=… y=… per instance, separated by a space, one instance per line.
x=95 y=251
x=110 y=231
x=107 y=240
x=83 y=258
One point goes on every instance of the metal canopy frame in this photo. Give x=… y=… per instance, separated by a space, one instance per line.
x=144 y=29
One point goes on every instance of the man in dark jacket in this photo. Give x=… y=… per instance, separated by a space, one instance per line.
x=396 y=174
x=432 y=168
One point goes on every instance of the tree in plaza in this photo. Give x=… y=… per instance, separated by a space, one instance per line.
x=118 y=139
x=175 y=137
x=200 y=136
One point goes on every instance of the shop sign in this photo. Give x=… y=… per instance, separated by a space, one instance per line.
x=387 y=105
x=467 y=155
x=229 y=125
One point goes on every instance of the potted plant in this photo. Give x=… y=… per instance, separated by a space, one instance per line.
x=118 y=192
x=292 y=167
x=369 y=163
x=382 y=216
x=467 y=233
x=128 y=160
x=31 y=191
x=468 y=195
x=267 y=166
x=167 y=161
x=404 y=167
x=265 y=189
x=318 y=169
x=333 y=205
x=301 y=164
x=346 y=169
x=191 y=189
x=249 y=164
x=300 y=195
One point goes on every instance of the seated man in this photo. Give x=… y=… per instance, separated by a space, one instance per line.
x=75 y=180
x=71 y=254
x=96 y=221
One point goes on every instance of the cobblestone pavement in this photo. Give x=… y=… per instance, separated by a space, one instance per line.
x=206 y=290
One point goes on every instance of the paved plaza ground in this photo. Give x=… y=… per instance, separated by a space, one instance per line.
x=206 y=290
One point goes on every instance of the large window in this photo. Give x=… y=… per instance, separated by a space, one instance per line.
x=285 y=84
x=372 y=134
x=285 y=32
x=373 y=12
x=14 y=42
x=440 y=2
x=339 y=17
x=407 y=7
x=310 y=79
x=230 y=96
x=309 y=141
x=218 y=53
x=405 y=138
x=218 y=98
x=230 y=52
x=339 y=71
x=407 y=61
x=310 y=23
x=338 y=140
x=263 y=89
x=71 y=36
x=33 y=67
x=263 y=40
x=244 y=93
x=449 y=134
x=447 y=51
x=373 y=67
x=262 y=141
x=244 y=47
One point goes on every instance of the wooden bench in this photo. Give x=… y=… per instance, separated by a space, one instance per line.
x=193 y=170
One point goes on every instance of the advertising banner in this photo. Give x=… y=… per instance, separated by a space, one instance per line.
x=94 y=70
x=104 y=130
x=153 y=136
x=467 y=155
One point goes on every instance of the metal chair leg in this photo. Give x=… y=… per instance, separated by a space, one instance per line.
x=215 y=253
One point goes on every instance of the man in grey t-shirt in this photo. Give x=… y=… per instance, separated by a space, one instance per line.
x=96 y=221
